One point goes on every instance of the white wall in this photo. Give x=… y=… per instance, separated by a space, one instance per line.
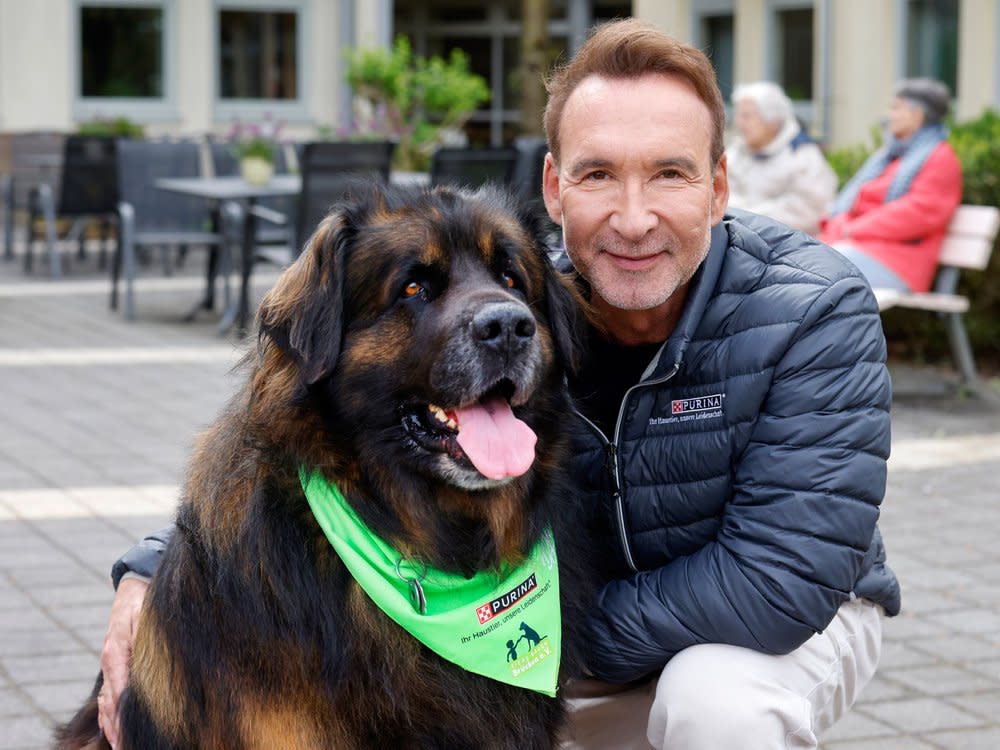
x=35 y=68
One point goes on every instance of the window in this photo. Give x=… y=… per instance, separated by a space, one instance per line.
x=794 y=29
x=717 y=41
x=932 y=40
x=258 y=55
x=121 y=52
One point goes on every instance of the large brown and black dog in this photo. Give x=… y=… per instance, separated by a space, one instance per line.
x=409 y=315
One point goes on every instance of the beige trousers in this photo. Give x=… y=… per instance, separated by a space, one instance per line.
x=715 y=697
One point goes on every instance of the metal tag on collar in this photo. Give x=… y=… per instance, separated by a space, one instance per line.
x=417 y=597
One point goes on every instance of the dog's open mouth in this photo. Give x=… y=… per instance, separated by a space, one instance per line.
x=485 y=433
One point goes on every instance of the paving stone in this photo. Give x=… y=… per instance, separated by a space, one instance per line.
x=924 y=715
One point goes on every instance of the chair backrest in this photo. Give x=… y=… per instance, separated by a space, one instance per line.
x=35 y=159
x=526 y=179
x=968 y=243
x=328 y=169
x=140 y=164
x=472 y=167
x=89 y=183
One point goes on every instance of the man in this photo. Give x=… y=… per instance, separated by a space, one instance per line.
x=774 y=167
x=734 y=427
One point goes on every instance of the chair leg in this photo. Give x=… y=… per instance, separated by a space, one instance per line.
x=7 y=194
x=125 y=258
x=47 y=203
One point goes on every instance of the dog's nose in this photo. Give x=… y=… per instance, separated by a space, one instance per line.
x=503 y=325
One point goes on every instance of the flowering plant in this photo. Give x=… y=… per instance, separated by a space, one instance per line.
x=253 y=139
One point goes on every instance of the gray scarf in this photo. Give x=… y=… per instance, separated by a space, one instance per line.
x=912 y=152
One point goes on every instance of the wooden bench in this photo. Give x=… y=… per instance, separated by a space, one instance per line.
x=967 y=245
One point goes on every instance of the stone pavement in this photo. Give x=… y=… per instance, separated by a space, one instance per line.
x=97 y=415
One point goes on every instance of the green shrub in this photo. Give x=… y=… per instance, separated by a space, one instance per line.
x=917 y=335
x=121 y=127
x=414 y=100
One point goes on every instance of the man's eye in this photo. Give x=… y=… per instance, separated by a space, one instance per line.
x=597 y=175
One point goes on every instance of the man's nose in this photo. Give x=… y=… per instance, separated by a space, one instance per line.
x=632 y=216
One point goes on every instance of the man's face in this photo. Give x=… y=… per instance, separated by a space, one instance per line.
x=635 y=191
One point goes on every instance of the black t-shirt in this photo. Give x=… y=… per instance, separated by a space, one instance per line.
x=609 y=370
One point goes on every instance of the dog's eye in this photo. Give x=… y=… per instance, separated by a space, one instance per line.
x=414 y=289
x=510 y=281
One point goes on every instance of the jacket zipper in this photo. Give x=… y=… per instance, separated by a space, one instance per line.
x=616 y=480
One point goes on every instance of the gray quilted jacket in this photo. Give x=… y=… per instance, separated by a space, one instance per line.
x=743 y=482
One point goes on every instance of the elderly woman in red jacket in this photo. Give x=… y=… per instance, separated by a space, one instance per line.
x=890 y=218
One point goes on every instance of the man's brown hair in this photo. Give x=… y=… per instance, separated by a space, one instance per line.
x=631 y=48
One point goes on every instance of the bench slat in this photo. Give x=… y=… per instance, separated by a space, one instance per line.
x=966 y=251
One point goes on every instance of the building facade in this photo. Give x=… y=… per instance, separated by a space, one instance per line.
x=186 y=67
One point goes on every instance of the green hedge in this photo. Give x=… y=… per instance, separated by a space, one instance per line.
x=915 y=335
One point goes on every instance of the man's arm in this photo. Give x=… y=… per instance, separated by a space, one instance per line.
x=130 y=575
x=794 y=536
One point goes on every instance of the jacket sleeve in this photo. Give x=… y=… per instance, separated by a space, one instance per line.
x=808 y=197
x=143 y=558
x=925 y=209
x=794 y=535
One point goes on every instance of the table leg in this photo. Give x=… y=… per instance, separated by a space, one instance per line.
x=240 y=313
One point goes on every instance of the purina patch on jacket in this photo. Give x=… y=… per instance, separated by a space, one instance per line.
x=695 y=407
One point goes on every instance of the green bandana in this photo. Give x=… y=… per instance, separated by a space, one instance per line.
x=505 y=627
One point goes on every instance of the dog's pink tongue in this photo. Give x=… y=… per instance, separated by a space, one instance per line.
x=499 y=444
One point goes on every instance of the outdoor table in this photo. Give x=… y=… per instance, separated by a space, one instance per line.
x=236 y=189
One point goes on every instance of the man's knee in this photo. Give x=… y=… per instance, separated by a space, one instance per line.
x=710 y=696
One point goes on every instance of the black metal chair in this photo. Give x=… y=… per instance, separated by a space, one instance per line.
x=35 y=159
x=150 y=216
x=88 y=189
x=526 y=178
x=472 y=167
x=328 y=169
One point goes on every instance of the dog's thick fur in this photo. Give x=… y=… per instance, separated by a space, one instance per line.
x=253 y=635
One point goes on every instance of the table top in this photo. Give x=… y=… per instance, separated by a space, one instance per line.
x=231 y=188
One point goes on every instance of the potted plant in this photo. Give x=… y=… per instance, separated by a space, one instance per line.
x=414 y=101
x=254 y=146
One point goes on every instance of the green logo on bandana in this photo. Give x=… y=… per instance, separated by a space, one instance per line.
x=479 y=623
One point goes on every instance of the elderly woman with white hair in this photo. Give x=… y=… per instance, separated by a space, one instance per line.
x=891 y=217
x=775 y=168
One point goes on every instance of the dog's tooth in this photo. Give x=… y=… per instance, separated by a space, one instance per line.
x=438 y=413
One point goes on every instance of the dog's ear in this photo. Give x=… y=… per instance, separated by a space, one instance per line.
x=303 y=313
x=565 y=309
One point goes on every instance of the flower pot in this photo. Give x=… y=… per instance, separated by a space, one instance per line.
x=255 y=170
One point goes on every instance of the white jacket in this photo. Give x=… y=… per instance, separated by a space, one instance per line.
x=788 y=180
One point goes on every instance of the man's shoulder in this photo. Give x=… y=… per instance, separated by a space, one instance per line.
x=782 y=254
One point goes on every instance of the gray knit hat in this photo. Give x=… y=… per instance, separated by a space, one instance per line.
x=933 y=97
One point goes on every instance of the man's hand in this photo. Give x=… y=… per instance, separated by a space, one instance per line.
x=117 y=651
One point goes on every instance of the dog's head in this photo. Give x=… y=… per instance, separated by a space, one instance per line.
x=434 y=333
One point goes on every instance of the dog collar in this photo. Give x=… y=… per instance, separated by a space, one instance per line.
x=505 y=626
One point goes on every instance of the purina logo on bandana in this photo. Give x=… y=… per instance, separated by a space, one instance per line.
x=696 y=407
x=486 y=612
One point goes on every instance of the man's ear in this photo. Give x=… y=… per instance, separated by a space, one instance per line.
x=303 y=313
x=720 y=190
x=550 y=189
